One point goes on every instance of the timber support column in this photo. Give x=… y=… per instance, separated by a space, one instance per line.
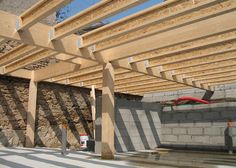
x=108 y=105
x=93 y=108
x=31 y=113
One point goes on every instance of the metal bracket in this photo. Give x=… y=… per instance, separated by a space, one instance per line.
x=146 y=63
x=81 y=83
x=92 y=49
x=79 y=43
x=130 y=60
x=51 y=34
x=18 y=24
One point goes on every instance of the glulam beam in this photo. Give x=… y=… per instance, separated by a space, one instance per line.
x=16 y=53
x=91 y=15
x=29 y=59
x=37 y=12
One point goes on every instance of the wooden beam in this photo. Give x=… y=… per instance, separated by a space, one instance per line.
x=40 y=10
x=156 y=89
x=175 y=36
x=154 y=85
x=223 y=82
x=215 y=76
x=184 y=51
x=228 y=54
x=226 y=79
x=206 y=67
x=146 y=91
x=21 y=73
x=212 y=71
x=108 y=113
x=16 y=53
x=151 y=20
x=31 y=114
x=78 y=73
x=54 y=70
x=93 y=108
x=92 y=15
x=29 y=59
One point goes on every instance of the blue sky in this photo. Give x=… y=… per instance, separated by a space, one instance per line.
x=78 y=5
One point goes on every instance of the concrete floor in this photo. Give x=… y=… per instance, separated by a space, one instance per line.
x=43 y=157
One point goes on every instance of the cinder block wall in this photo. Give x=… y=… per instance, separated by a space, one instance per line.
x=197 y=126
x=137 y=125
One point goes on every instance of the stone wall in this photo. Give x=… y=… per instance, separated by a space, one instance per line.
x=56 y=103
x=137 y=125
x=197 y=126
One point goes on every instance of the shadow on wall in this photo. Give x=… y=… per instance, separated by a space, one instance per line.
x=56 y=104
x=13 y=105
x=137 y=125
x=198 y=126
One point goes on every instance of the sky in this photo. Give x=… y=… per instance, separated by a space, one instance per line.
x=78 y=5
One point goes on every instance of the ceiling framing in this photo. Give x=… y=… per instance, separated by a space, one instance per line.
x=174 y=45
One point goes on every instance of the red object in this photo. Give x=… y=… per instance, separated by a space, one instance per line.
x=191 y=99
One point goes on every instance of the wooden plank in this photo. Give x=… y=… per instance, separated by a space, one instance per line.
x=92 y=15
x=40 y=10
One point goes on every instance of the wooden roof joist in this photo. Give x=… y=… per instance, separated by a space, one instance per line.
x=205 y=12
x=217 y=80
x=228 y=54
x=215 y=76
x=205 y=67
x=158 y=14
x=156 y=89
x=203 y=44
x=176 y=36
x=192 y=55
x=91 y=15
x=145 y=86
x=146 y=91
x=54 y=70
x=211 y=72
x=40 y=10
x=16 y=53
x=29 y=59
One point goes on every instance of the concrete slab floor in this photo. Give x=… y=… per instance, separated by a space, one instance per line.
x=44 y=157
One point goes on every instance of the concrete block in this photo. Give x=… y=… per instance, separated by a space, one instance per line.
x=170 y=138
x=206 y=123
x=218 y=95
x=211 y=115
x=166 y=131
x=179 y=131
x=217 y=140
x=195 y=131
x=166 y=117
x=185 y=138
x=228 y=114
x=186 y=124
x=179 y=116
x=212 y=131
x=219 y=123
x=194 y=116
x=171 y=124
x=201 y=139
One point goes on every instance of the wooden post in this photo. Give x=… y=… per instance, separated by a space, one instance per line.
x=31 y=113
x=108 y=103
x=93 y=108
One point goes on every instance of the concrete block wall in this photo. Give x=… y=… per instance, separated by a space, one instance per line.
x=197 y=126
x=137 y=125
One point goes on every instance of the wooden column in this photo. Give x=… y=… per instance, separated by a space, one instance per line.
x=31 y=113
x=108 y=104
x=93 y=108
